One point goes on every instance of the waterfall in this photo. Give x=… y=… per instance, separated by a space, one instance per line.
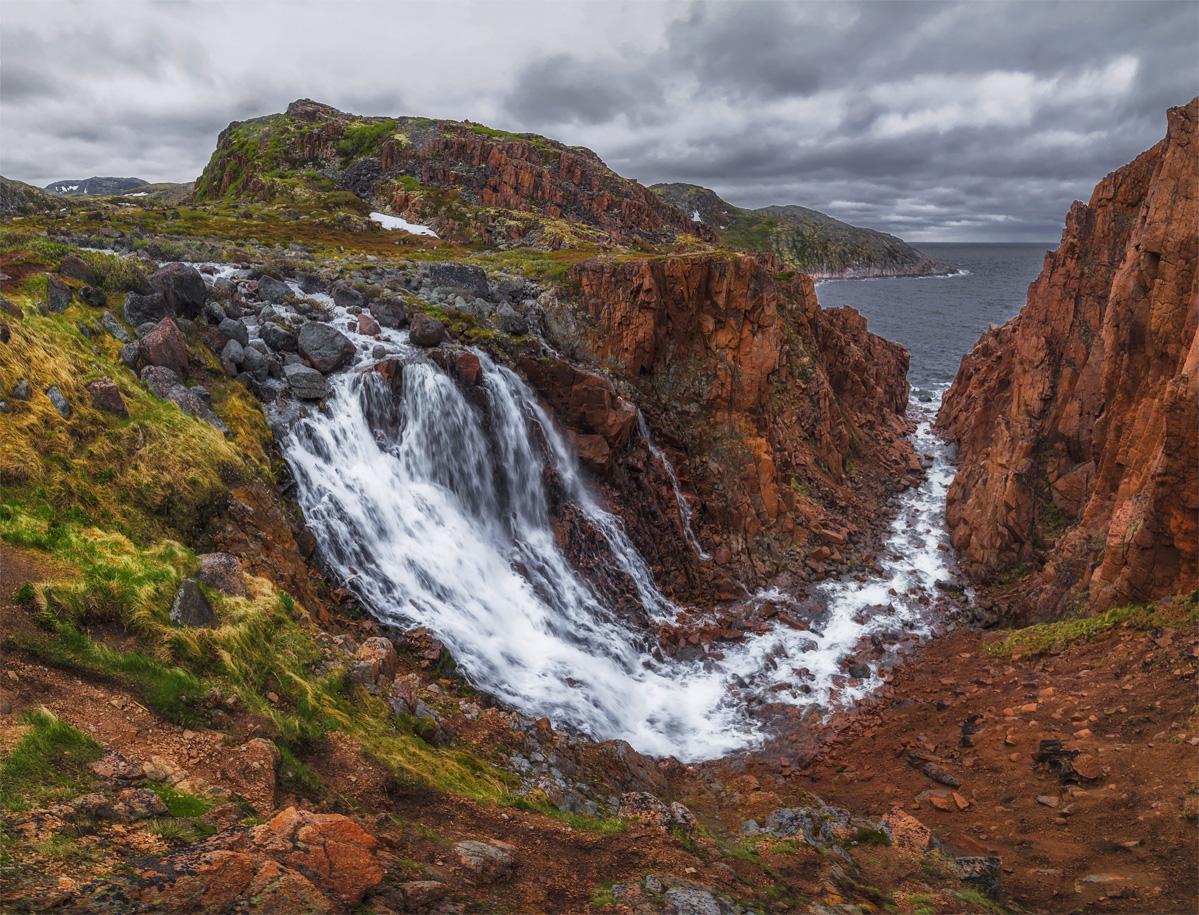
x=432 y=503
x=680 y=500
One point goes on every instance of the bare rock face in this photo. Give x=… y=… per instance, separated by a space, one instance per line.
x=1076 y=422
x=765 y=402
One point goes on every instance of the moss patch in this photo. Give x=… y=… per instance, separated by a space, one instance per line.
x=48 y=764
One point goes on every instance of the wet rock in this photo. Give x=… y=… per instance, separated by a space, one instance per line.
x=183 y=289
x=468 y=369
x=113 y=326
x=76 y=268
x=165 y=346
x=324 y=346
x=58 y=295
x=305 y=382
x=272 y=290
x=59 y=401
x=368 y=326
x=389 y=312
x=107 y=396
x=277 y=338
x=486 y=861
x=346 y=296
x=191 y=608
x=93 y=297
x=223 y=572
x=255 y=362
x=427 y=332
x=150 y=308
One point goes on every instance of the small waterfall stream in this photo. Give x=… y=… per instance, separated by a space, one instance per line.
x=436 y=512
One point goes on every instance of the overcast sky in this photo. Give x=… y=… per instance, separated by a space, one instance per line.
x=941 y=121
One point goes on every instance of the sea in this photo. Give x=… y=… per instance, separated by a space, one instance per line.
x=939 y=318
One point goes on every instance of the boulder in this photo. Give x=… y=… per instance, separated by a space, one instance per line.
x=273 y=290
x=641 y=805
x=277 y=338
x=486 y=861
x=233 y=329
x=165 y=346
x=368 y=326
x=59 y=401
x=305 y=382
x=346 y=296
x=223 y=572
x=113 y=326
x=191 y=608
x=468 y=369
x=326 y=348
x=511 y=322
x=427 y=332
x=255 y=362
x=232 y=355
x=76 y=268
x=140 y=309
x=93 y=297
x=127 y=806
x=375 y=663
x=182 y=288
x=22 y=390
x=464 y=277
x=58 y=294
x=389 y=312
x=106 y=396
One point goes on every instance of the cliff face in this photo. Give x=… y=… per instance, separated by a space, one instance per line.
x=785 y=422
x=1076 y=421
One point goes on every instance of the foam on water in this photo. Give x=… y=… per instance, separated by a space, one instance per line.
x=435 y=514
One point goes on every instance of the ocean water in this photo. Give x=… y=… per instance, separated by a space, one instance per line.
x=939 y=318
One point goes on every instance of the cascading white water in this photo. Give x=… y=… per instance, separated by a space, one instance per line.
x=680 y=500
x=437 y=513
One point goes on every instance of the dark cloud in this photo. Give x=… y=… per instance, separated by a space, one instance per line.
x=931 y=120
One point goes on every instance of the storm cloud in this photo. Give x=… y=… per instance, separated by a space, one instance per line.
x=936 y=121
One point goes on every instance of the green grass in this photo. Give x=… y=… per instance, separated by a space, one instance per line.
x=172 y=692
x=365 y=138
x=1046 y=637
x=180 y=803
x=48 y=764
x=974 y=897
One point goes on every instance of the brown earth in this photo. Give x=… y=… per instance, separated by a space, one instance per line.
x=1077 y=422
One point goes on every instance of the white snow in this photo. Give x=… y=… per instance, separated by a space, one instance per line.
x=695 y=216
x=138 y=194
x=397 y=222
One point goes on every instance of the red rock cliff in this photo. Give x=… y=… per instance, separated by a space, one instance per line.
x=785 y=422
x=1076 y=421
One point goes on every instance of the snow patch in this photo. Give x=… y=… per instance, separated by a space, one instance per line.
x=397 y=222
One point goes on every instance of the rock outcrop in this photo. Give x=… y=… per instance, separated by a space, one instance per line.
x=1076 y=421
x=785 y=420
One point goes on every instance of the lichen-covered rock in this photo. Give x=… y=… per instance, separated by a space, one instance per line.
x=165 y=346
x=1077 y=422
x=490 y=861
x=107 y=396
x=223 y=572
x=183 y=289
x=191 y=608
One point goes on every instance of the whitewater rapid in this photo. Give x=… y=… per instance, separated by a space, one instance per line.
x=436 y=513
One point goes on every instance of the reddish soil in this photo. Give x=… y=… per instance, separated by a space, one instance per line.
x=1125 y=699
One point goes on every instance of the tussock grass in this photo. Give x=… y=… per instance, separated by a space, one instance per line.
x=1046 y=637
x=48 y=764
